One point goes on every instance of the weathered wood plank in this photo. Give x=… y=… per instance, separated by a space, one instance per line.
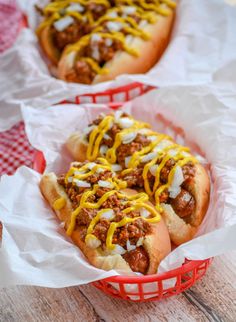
x=23 y=304
x=211 y=299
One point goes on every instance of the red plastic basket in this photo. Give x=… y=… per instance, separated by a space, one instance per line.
x=119 y=94
x=137 y=288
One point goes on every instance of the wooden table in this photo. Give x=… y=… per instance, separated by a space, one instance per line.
x=213 y=298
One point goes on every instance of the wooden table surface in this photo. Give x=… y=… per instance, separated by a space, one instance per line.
x=213 y=298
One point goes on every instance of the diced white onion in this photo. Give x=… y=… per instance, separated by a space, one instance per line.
x=118 y=250
x=186 y=154
x=70 y=179
x=143 y=23
x=148 y=157
x=125 y=122
x=91 y=165
x=95 y=37
x=144 y=131
x=178 y=179
x=162 y=145
x=129 y=10
x=95 y=52
x=88 y=129
x=127 y=159
x=129 y=246
x=92 y=241
x=106 y=136
x=81 y=183
x=112 y=14
x=75 y=7
x=129 y=137
x=153 y=169
x=152 y=138
x=63 y=23
x=114 y=26
x=186 y=197
x=173 y=152
x=108 y=42
x=129 y=39
x=78 y=172
x=116 y=167
x=118 y=114
x=100 y=170
x=109 y=215
x=144 y=212
x=62 y=224
x=103 y=149
x=140 y=242
x=105 y=184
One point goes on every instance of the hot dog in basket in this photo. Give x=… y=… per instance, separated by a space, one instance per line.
x=91 y=41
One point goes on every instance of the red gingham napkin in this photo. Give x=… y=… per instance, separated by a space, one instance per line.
x=15 y=149
x=10 y=23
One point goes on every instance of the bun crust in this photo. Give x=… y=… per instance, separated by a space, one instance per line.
x=124 y=63
x=48 y=47
x=157 y=244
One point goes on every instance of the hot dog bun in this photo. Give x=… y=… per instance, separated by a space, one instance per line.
x=49 y=49
x=157 y=244
x=150 y=52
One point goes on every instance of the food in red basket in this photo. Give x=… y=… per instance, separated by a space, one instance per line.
x=115 y=227
x=175 y=181
x=97 y=40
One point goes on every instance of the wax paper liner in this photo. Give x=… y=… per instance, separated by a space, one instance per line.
x=201 y=50
x=35 y=250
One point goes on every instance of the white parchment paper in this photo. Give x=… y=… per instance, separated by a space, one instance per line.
x=202 y=50
x=35 y=249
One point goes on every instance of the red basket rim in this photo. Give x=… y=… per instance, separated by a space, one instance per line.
x=39 y=165
x=186 y=267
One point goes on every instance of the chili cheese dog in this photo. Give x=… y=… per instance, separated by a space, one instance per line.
x=116 y=228
x=127 y=36
x=175 y=181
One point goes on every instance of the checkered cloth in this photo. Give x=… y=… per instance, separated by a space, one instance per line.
x=15 y=149
x=10 y=23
